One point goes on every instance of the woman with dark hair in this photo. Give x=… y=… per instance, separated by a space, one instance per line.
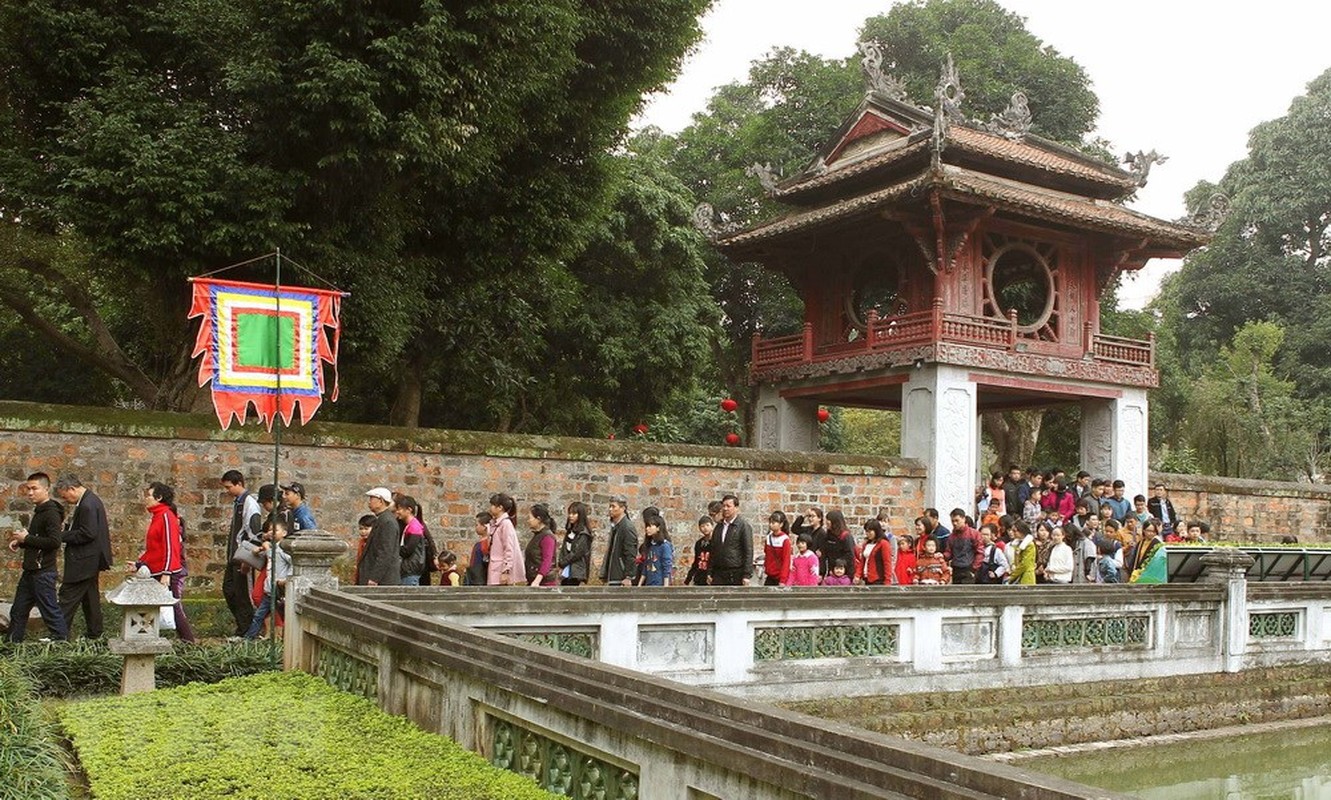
x=875 y=556
x=575 y=556
x=838 y=545
x=810 y=527
x=506 y=566
x=411 y=542
x=658 y=554
x=163 y=550
x=539 y=556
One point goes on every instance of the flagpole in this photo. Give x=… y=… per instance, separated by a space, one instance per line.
x=277 y=456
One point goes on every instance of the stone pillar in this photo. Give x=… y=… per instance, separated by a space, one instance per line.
x=783 y=424
x=312 y=555
x=939 y=408
x=1114 y=439
x=1229 y=566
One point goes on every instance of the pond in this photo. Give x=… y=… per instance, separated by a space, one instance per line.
x=1293 y=764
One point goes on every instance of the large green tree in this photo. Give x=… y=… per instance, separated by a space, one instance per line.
x=436 y=159
x=1270 y=261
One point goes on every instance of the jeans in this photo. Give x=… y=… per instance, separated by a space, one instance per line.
x=36 y=589
x=411 y=580
x=260 y=614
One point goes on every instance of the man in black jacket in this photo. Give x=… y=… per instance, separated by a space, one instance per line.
x=1162 y=508
x=381 y=562
x=40 y=544
x=732 y=546
x=87 y=538
x=622 y=551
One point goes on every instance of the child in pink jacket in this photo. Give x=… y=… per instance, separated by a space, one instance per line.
x=804 y=566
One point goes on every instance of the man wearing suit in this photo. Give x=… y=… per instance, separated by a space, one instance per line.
x=1162 y=509
x=622 y=552
x=87 y=538
x=732 y=546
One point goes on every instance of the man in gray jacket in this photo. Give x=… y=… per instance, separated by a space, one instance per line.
x=381 y=562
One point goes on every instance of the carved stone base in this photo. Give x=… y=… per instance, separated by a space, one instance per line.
x=784 y=424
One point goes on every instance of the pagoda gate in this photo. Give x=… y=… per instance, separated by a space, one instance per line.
x=948 y=268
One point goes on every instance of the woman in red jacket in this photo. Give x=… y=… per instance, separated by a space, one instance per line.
x=875 y=559
x=777 y=550
x=164 y=549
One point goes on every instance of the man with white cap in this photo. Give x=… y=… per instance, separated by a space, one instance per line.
x=381 y=564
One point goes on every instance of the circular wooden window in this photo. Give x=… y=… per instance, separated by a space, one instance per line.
x=876 y=286
x=1020 y=278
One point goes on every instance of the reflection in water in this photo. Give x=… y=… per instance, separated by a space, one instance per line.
x=1289 y=765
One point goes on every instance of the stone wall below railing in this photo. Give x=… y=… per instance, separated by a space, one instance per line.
x=1252 y=511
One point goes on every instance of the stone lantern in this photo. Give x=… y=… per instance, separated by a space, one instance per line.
x=142 y=598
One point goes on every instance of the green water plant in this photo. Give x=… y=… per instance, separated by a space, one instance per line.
x=285 y=735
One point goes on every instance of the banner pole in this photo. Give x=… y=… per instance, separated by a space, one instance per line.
x=277 y=456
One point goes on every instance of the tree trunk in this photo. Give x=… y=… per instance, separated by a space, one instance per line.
x=1014 y=434
x=406 y=410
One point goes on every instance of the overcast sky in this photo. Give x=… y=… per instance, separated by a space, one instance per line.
x=1189 y=79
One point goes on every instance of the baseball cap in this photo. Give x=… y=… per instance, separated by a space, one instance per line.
x=381 y=493
x=298 y=488
x=267 y=493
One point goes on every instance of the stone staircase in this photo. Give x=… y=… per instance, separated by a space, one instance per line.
x=986 y=721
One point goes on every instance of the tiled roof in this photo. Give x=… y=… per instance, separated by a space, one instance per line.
x=893 y=152
x=1049 y=159
x=964 y=184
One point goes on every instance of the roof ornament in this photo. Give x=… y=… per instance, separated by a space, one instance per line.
x=947 y=110
x=704 y=219
x=819 y=166
x=767 y=177
x=879 y=81
x=1212 y=215
x=1139 y=164
x=1015 y=121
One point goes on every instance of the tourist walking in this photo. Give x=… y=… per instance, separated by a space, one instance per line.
x=732 y=546
x=381 y=560
x=622 y=549
x=299 y=516
x=506 y=565
x=575 y=552
x=964 y=551
x=164 y=549
x=279 y=566
x=658 y=558
x=411 y=540
x=244 y=531
x=1021 y=553
x=87 y=537
x=539 y=557
x=875 y=558
x=478 y=565
x=838 y=544
x=700 y=571
x=40 y=544
x=777 y=551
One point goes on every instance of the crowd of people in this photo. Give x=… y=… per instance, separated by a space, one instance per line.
x=1033 y=527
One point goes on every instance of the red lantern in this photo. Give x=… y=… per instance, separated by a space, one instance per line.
x=732 y=439
x=728 y=405
x=640 y=428
x=824 y=415
x=611 y=436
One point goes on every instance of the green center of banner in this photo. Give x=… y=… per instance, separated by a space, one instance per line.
x=257 y=335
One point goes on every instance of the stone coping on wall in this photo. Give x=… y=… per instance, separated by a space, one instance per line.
x=766 y=743
x=46 y=418
x=515 y=602
x=1213 y=484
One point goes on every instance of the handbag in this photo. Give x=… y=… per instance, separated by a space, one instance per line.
x=166 y=618
x=245 y=555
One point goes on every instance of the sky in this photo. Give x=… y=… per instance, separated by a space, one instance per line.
x=1188 y=79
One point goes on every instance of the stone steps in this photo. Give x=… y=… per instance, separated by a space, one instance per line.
x=989 y=721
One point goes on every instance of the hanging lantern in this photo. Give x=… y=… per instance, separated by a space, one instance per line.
x=824 y=415
x=611 y=436
x=729 y=405
x=640 y=428
x=732 y=439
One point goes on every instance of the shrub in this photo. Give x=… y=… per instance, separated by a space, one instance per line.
x=32 y=763
x=283 y=735
x=83 y=668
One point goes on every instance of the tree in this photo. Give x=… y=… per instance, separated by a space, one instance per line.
x=792 y=101
x=1269 y=261
x=424 y=158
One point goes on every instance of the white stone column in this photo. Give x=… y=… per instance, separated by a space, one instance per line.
x=939 y=407
x=1114 y=439
x=783 y=424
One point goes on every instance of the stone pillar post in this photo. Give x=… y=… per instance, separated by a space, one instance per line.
x=939 y=406
x=1229 y=566
x=785 y=424
x=1113 y=439
x=312 y=555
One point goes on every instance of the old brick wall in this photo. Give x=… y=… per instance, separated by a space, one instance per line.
x=1252 y=511
x=452 y=473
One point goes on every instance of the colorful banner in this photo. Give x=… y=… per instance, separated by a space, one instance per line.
x=265 y=348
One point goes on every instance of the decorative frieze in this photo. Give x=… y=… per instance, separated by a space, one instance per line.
x=347 y=672
x=1273 y=625
x=1082 y=632
x=575 y=643
x=825 y=641
x=556 y=767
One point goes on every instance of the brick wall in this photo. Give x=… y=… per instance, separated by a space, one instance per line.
x=452 y=473
x=1252 y=511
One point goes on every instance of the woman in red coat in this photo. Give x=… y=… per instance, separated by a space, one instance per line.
x=164 y=549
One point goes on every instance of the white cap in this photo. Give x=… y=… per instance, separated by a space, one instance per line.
x=381 y=493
